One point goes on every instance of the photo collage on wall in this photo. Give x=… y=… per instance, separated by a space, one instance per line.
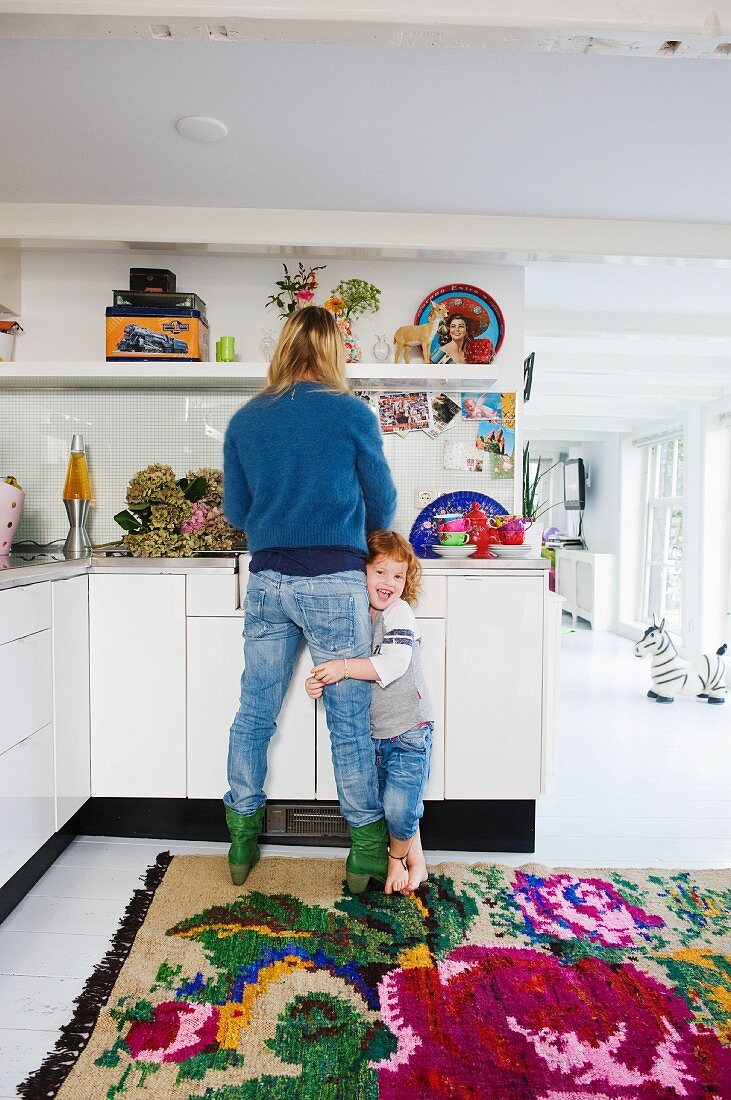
x=492 y=448
x=403 y=412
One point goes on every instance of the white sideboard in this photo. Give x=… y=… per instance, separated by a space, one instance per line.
x=586 y=582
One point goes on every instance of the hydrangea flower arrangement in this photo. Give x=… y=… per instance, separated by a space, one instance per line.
x=169 y=517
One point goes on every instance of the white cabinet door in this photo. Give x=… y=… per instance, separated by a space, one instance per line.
x=71 y=695
x=26 y=687
x=494 y=687
x=432 y=656
x=137 y=681
x=433 y=642
x=27 y=817
x=215 y=664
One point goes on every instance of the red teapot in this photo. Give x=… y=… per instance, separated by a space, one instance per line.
x=481 y=533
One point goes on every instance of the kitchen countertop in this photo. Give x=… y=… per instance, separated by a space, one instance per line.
x=49 y=564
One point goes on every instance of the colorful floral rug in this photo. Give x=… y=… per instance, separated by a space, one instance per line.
x=490 y=982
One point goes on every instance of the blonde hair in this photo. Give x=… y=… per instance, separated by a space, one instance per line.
x=310 y=348
x=388 y=544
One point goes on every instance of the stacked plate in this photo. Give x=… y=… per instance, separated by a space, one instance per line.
x=505 y=551
x=454 y=551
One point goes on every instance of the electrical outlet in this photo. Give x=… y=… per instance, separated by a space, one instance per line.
x=424 y=497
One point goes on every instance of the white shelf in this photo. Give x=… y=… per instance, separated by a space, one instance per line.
x=225 y=375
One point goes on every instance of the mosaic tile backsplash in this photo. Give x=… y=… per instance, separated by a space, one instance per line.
x=127 y=429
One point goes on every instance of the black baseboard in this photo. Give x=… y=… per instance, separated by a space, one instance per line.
x=456 y=825
x=25 y=878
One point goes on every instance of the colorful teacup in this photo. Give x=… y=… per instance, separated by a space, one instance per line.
x=460 y=524
x=453 y=538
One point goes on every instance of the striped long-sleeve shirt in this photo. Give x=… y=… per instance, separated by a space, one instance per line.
x=400 y=699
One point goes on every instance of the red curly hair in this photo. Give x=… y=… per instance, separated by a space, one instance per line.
x=389 y=544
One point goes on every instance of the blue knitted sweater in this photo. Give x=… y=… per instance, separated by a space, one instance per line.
x=306 y=469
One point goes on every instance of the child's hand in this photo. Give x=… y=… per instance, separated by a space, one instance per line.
x=313 y=687
x=329 y=672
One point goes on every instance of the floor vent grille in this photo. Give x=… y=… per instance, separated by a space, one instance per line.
x=305 y=821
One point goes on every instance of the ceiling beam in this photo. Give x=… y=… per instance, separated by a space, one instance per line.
x=579 y=322
x=570 y=385
x=705 y=368
x=424 y=236
x=586 y=26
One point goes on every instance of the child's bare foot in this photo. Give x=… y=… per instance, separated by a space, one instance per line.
x=398 y=875
x=417 y=866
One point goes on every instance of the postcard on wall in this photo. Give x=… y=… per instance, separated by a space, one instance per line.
x=443 y=410
x=404 y=412
x=495 y=439
x=460 y=456
x=496 y=408
x=501 y=466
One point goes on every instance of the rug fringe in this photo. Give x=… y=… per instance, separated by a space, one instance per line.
x=44 y=1083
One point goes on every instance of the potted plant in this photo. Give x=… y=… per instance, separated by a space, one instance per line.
x=349 y=299
x=532 y=510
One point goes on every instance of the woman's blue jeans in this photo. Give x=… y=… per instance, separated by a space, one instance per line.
x=331 y=613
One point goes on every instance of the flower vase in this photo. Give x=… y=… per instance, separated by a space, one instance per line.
x=353 y=350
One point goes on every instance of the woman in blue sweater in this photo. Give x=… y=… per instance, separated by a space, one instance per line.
x=305 y=476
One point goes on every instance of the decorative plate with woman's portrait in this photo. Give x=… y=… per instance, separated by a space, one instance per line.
x=472 y=330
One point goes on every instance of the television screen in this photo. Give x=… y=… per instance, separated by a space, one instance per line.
x=573 y=485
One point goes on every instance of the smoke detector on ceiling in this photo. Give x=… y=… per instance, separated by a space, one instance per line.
x=200 y=128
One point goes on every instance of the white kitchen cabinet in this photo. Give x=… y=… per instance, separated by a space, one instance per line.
x=71 y=695
x=137 y=685
x=494 y=687
x=215 y=664
x=27 y=816
x=26 y=687
x=432 y=655
x=24 y=610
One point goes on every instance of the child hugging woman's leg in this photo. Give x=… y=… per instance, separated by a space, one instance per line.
x=402 y=719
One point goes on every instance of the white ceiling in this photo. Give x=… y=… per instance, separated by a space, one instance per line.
x=367 y=128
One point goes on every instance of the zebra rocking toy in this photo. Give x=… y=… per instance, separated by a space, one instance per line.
x=704 y=677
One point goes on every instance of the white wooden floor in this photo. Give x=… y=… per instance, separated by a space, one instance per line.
x=635 y=783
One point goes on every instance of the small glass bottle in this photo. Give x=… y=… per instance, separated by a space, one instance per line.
x=381 y=349
x=267 y=344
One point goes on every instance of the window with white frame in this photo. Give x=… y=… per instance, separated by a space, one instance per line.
x=663 y=542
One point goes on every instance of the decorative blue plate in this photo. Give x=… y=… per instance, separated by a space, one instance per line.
x=423 y=535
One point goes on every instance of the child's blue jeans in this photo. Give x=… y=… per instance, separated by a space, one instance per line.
x=403 y=772
x=331 y=613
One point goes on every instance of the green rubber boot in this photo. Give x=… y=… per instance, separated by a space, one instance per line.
x=244 y=851
x=368 y=856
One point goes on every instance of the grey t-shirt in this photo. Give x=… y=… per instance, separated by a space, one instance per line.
x=400 y=698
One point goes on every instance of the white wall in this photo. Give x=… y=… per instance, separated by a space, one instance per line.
x=601 y=515
x=715 y=609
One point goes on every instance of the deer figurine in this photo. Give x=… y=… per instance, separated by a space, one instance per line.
x=414 y=336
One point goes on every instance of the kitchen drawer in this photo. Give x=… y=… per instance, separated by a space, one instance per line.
x=27 y=815
x=24 y=610
x=26 y=687
x=212 y=595
x=432 y=598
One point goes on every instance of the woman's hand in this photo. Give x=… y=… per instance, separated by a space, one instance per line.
x=314 y=688
x=329 y=672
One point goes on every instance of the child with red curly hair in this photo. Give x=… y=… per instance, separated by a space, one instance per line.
x=402 y=717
